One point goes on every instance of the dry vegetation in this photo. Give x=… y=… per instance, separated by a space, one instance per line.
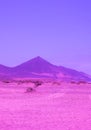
x=47 y=108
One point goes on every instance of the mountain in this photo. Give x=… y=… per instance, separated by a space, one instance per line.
x=40 y=68
x=4 y=69
x=36 y=68
x=4 y=72
x=37 y=65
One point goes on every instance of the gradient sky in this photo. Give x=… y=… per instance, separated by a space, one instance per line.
x=57 y=30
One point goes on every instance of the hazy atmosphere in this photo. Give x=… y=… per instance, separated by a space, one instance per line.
x=59 y=31
x=45 y=66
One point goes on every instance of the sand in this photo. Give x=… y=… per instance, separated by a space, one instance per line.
x=57 y=109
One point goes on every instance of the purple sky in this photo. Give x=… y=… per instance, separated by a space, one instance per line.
x=57 y=30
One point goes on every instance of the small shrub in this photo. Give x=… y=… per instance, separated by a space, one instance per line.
x=73 y=82
x=82 y=82
x=30 y=89
x=37 y=83
x=6 y=81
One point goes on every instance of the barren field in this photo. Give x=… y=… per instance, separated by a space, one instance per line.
x=63 y=107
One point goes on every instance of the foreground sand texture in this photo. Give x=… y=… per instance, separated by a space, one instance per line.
x=45 y=108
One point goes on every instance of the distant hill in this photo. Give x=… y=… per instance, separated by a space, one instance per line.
x=40 y=68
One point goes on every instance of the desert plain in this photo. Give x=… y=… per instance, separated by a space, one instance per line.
x=49 y=106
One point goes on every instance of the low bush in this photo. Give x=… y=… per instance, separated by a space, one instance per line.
x=29 y=89
x=37 y=83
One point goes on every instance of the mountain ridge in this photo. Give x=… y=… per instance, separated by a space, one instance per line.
x=40 y=68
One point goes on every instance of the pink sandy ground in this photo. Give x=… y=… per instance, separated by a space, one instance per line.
x=44 y=110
